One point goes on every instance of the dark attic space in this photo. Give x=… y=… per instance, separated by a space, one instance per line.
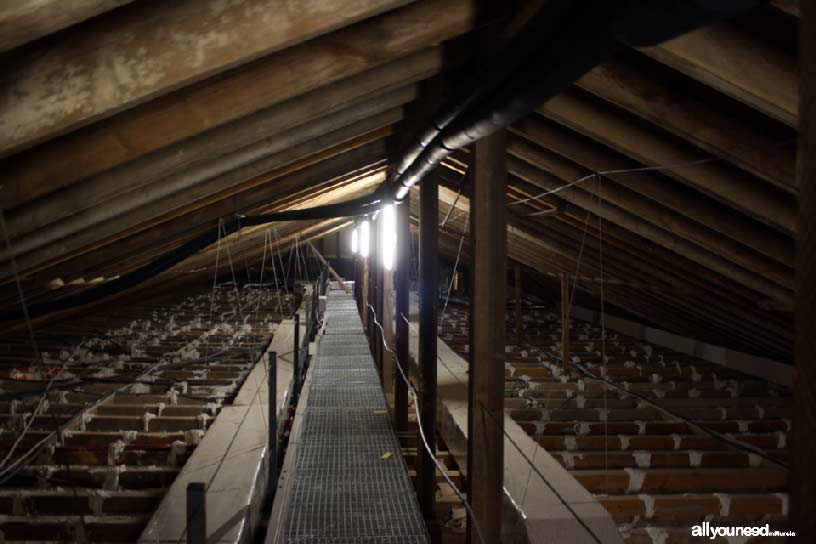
x=407 y=271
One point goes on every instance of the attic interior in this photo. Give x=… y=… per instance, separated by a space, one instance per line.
x=407 y=271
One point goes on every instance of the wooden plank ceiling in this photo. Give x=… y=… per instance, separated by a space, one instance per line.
x=128 y=128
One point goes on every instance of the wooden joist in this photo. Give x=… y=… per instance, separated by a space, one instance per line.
x=26 y=20
x=147 y=51
x=260 y=84
x=738 y=65
x=647 y=146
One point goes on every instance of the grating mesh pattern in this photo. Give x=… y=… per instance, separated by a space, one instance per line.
x=343 y=490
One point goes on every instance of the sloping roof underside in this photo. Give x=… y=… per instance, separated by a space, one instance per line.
x=128 y=128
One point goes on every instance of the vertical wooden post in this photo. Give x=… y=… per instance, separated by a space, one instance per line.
x=487 y=316
x=517 y=285
x=803 y=477
x=388 y=327
x=364 y=289
x=428 y=265
x=403 y=287
x=376 y=294
x=565 y=335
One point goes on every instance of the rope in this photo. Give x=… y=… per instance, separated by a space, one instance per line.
x=606 y=172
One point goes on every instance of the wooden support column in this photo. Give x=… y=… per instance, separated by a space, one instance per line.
x=364 y=287
x=374 y=274
x=379 y=302
x=428 y=269
x=565 y=336
x=486 y=384
x=517 y=286
x=388 y=328
x=803 y=477
x=403 y=293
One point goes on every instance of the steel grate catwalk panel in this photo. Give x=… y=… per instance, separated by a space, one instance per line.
x=343 y=490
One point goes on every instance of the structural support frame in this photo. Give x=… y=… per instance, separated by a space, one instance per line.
x=403 y=300
x=428 y=270
x=487 y=321
x=803 y=480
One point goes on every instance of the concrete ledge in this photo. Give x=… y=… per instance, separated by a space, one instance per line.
x=231 y=460
x=767 y=369
x=533 y=511
x=232 y=457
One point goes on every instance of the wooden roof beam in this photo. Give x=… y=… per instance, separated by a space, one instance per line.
x=148 y=50
x=663 y=237
x=23 y=21
x=653 y=210
x=326 y=165
x=695 y=205
x=215 y=153
x=80 y=157
x=729 y=185
x=739 y=65
x=257 y=85
x=671 y=109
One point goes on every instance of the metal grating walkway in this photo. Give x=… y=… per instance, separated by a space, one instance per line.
x=343 y=490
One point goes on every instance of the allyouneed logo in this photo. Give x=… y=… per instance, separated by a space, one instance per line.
x=706 y=530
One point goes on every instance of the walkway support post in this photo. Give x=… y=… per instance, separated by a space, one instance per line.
x=488 y=227
x=428 y=265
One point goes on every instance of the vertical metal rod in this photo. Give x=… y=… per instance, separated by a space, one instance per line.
x=364 y=290
x=309 y=313
x=296 y=355
x=803 y=480
x=428 y=291
x=402 y=287
x=272 y=383
x=196 y=513
x=565 y=336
